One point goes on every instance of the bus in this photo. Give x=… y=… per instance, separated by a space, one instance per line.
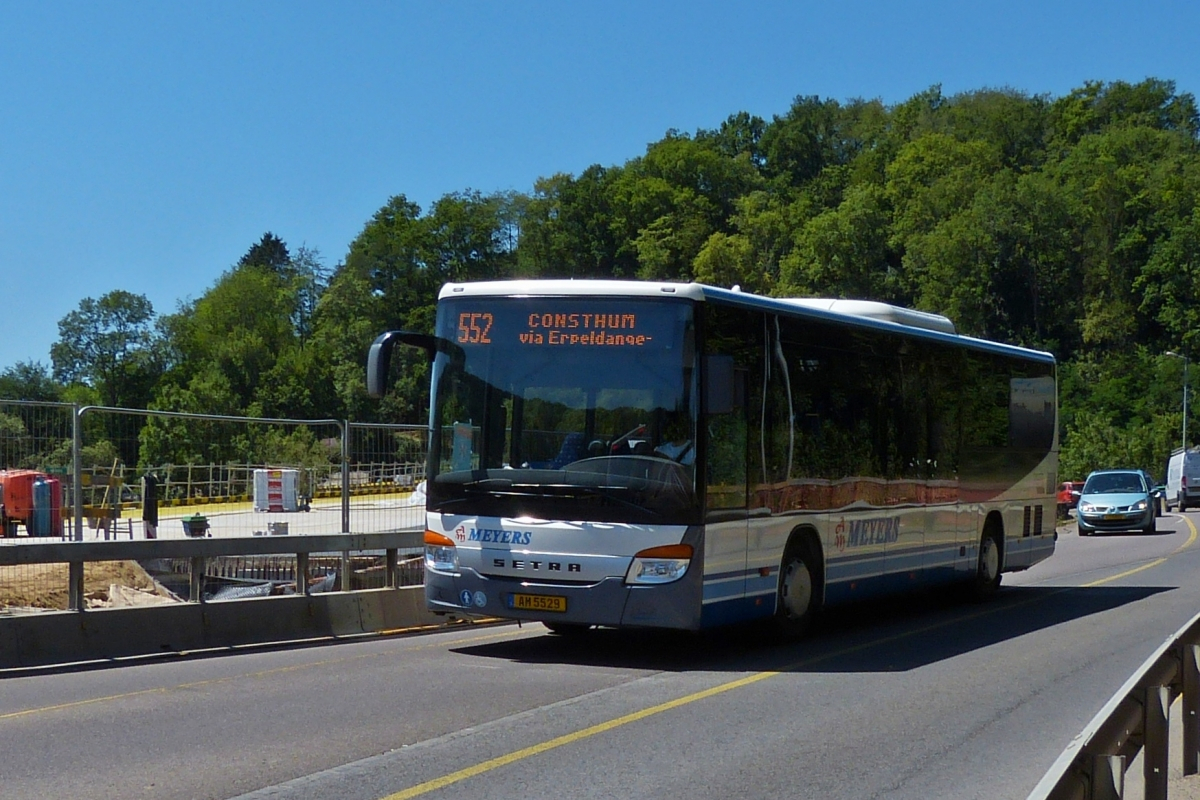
x=680 y=456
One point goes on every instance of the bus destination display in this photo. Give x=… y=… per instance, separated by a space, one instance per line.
x=555 y=329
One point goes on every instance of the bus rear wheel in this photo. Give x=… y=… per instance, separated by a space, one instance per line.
x=796 y=602
x=987 y=571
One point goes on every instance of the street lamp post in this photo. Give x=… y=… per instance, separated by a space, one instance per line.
x=1185 y=393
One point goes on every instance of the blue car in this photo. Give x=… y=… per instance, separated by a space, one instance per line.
x=1116 y=500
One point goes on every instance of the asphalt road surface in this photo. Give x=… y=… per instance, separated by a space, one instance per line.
x=924 y=697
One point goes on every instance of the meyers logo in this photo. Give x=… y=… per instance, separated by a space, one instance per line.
x=864 y=532
x=499 y=536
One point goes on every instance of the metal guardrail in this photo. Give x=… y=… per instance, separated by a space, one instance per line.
x=1136 y=719
x=197 y=551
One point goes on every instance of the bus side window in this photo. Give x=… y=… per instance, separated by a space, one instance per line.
x=729 y=349
x=726 y=387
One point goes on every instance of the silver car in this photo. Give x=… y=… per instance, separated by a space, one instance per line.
x=1116 y=500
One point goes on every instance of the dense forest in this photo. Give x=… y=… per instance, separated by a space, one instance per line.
x=1070 y=224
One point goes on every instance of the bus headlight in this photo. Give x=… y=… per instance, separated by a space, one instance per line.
x=441 y=555
x=660 y=564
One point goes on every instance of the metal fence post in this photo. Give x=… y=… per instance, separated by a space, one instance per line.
x=77 y=469
x=302 y=574
x=392 y=580
x=345 y=476
x=196 y=579
x=75 y=598
x=1190 y=707
x=345 y=565
x=1108 y=778
x=1156 y=706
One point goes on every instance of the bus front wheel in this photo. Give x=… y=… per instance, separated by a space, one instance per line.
x=796 y=603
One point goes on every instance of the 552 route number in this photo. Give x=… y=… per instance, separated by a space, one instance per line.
x=474 y=327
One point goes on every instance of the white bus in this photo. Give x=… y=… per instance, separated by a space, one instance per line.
x=670 y=455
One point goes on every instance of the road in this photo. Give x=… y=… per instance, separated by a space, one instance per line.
x=922 y=698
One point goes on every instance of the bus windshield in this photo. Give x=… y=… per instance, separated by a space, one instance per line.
x=565 y=408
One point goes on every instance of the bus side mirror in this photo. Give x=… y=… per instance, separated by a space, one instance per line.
x=724 y=386
x=378 y=358
x=380 y=355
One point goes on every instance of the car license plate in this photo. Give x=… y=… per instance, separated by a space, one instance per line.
x=537 y=602
x=1114 y=516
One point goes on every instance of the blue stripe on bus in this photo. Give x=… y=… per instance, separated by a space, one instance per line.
x=761 y=585
x=908 y=560
x=716 y=592
x=743 y=609
x=741 y=594
x=721 y=576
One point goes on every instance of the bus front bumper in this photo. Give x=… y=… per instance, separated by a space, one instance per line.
x=610 y=603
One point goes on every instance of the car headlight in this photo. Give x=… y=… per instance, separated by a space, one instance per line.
x=1086 y=507
x=441 y=554
x=1142 y=505
x=660 y=564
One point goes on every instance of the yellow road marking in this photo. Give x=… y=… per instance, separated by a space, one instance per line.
x=1190 y=540
x=604 y=727
x=559 y=741
x=249 y=675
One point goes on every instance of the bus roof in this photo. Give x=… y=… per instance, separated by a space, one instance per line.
x=859 y=313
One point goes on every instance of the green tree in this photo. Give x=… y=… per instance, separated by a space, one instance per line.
x=248 y=344
x=385 y=284
x=29 y=380
x=799 y=145
x=110 y=345
x=568 y=229
x=844 y=252
x=270 y=251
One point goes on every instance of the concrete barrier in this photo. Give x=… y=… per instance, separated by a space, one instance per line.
x=65 y=637
x=69 y=637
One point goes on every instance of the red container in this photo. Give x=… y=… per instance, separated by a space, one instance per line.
x=16 y=498
x=18 y=502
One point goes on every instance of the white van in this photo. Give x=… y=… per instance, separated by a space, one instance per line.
x=1183 y=479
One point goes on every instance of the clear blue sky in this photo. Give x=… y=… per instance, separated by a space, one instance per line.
x=146 y=146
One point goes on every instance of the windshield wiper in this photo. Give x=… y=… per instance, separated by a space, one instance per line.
x=603 y=493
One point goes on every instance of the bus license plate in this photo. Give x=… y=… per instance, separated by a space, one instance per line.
x=537 y=602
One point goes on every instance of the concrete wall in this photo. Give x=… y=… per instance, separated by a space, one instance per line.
x=67 y=637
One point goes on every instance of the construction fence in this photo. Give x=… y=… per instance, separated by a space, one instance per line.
x=95 y=473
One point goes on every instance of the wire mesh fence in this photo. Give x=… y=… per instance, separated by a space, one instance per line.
x=142 y=474
x=387 y=456
x=36 y=456
x=146 y=474
x=36 y=435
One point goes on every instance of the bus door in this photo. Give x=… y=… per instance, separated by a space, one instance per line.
x=727 y=519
